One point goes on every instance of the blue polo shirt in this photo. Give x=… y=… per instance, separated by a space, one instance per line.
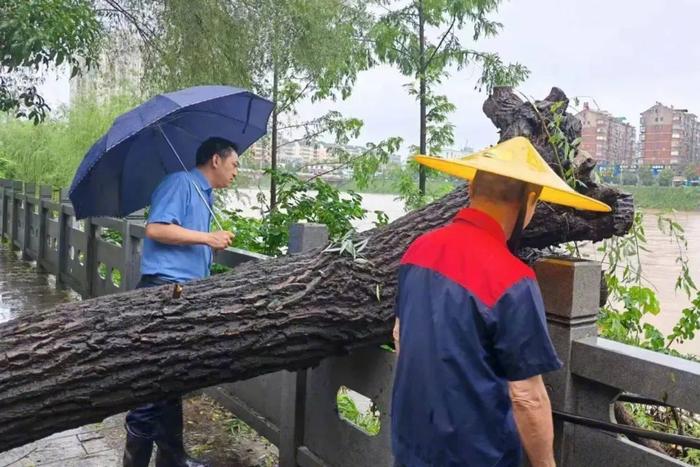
x=472 y=319
x=176 y=201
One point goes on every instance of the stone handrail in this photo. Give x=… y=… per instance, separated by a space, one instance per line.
x=665 y=378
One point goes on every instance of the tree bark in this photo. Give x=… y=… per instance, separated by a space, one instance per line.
x=625 y=418
x=553 y=225
x=81 y=362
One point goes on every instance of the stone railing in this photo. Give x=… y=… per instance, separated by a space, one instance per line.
x=298 y=412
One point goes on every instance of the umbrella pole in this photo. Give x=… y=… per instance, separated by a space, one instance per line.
x=194 y=184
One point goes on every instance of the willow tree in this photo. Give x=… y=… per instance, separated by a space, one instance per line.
x=287 y=50
x=403 y=37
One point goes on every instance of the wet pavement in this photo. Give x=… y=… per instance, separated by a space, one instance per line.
x=23 y=290
x=88 y=446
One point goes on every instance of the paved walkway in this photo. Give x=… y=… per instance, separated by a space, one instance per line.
x=96 y=445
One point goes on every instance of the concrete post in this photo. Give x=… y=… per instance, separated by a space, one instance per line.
x=302 y=237
x=90 y=257
x=45 y=193
x=4 y=184
x=17 y=187
x=571 y=293
x=62 y=238
x=130 y=246
x=29 y=192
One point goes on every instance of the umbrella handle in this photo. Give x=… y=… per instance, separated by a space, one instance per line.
x=189 y=175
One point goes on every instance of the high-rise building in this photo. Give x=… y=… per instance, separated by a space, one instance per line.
x=607 y=138
x=455 y=153
x=669 y=136
x=298 y=154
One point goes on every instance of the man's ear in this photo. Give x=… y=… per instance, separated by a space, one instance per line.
x=215 y=160
x=532 y=198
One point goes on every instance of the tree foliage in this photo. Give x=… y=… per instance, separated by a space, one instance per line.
x=692 y=172
x=629 y=178
x=632 y=297
x=36 y=35
x=287 y=50
x=401 y=37
x=50 y=153
x=646 y=177
x=666 y=177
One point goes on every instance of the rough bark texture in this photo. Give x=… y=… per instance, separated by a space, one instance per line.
x=81 y=362
x=553 y=224
x=625 y=418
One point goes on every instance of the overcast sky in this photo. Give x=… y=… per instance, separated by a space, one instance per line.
x=626 y=54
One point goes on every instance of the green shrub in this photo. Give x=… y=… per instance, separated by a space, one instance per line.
x=666 y=177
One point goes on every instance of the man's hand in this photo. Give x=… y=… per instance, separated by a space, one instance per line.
x=396 y=333
x=172 y=234
x=533 y=417
x=220 y=240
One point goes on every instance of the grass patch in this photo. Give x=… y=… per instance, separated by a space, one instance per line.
x=665 y=197
x=347 y=410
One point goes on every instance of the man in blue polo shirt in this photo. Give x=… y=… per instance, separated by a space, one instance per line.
x=470 y=330
x=178 y=248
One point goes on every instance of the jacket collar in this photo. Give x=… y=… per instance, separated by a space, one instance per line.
x=482 y=221
x=201 y=180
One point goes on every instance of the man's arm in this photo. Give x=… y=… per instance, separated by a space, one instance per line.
x=533 y=417
x=173 y=234
x=396 y=333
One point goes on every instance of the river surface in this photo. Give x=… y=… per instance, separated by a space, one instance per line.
x=23 y=290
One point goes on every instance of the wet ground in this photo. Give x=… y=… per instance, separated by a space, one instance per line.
x=211 y=433
x=23 y=289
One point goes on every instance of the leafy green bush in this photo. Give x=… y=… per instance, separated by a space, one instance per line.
x=665 y=177
x=646 y=178
x=629 y=178
x=297 y=201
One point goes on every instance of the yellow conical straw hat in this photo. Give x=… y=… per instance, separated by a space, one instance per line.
x=516 y=158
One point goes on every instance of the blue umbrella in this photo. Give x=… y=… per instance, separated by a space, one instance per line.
x=122 y=169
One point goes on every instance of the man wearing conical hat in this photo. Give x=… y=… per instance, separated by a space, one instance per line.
x=470 y=322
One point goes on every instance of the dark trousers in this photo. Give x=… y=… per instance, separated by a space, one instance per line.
x=146 y=421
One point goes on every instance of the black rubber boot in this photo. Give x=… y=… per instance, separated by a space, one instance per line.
x=171 y=450
x=137 y=452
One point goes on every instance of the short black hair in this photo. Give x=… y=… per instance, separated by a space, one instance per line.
x=215 y=145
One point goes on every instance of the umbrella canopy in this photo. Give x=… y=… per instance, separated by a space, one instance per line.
x=122 y=169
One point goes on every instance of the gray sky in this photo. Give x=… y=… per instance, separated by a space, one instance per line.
x=626 y=54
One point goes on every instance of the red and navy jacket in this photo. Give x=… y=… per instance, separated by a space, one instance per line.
x=472 y=319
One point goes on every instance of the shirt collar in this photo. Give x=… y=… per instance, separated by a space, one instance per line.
x=482 y=221
x=201 y=180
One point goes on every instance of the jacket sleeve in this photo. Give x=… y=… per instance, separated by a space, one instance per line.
x=519 y=333
x=169 y=201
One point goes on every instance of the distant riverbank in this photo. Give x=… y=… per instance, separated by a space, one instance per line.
x=380 y=186
x=645 y=197
x=665 y=197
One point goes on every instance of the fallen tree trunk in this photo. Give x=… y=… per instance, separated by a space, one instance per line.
x=81 y=362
